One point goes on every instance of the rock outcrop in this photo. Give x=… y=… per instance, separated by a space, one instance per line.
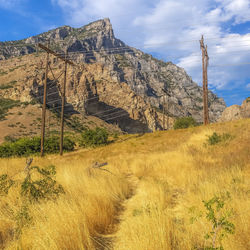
x=127 y=78
x=236 y=112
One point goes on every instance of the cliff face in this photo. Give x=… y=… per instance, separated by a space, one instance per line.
x=236 y=112
x=118 y=77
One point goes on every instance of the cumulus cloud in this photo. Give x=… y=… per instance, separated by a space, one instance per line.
x=79 y=12
x=173 y=28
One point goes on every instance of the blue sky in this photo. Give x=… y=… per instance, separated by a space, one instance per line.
x=168 y=29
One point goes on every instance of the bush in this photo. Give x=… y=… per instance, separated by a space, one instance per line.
x=52 y=144
x=6 y=150
x=217 y=215
x=44 y=188
x=68 y=144
x=184 y=122
x=28 y=146
x=39 y=184
x=215 y=138
x=95 y=137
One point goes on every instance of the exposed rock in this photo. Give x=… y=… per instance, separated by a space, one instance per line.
x=124 y=77
x=236 y=112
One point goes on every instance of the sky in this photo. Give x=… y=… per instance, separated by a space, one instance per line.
x=168 y=29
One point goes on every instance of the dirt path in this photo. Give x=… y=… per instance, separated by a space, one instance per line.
x=106 y=242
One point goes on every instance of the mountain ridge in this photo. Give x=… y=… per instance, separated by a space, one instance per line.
x=145 y=75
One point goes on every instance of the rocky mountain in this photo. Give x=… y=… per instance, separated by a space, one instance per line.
x=236 y=112
x=115 y=82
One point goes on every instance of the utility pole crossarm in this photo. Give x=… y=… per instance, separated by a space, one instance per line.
x=55 y=54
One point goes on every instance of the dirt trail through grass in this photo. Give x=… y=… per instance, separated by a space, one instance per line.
x=106 y=242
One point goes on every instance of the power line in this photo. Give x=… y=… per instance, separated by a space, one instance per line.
x=116 y=117
x=241 y=40
x=104 y=111
x=170 y=57
x=228 y=65
x=124 y=50
x=92 y=98
x=113 y=113
x=135 y=51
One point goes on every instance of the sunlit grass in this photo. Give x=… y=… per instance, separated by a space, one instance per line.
x=144 y=203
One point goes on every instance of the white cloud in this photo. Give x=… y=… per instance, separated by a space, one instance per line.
x=81 y=11
x=173 y=28
x=238 y=9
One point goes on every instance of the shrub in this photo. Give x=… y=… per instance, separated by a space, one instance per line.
x=218 y=217
x=27 y=146
x=39 y=184
x=52 y=144
x=43 y=188
x=6 y=150
x=184 y=122
x=217 y=214
x=215 y=138
x=68 y=144
x=94 y=137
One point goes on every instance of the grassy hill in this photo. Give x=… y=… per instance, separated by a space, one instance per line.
x=149 y=197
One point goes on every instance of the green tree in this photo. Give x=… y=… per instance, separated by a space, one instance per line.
x=184 y=122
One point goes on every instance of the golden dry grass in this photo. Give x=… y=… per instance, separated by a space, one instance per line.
x=145 y=203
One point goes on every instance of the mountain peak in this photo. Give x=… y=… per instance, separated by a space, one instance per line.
x=102 y=25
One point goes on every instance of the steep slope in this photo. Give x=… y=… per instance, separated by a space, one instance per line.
x=90 y=91
x=136 y=73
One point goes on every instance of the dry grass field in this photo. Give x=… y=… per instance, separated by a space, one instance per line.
x=145 y=201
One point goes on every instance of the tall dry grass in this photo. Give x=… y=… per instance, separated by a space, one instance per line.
x=145 y=203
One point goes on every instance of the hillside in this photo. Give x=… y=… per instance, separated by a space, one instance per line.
x=149 y=197
x=124 y=84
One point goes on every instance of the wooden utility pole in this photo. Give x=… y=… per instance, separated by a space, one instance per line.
x=205 y=59
x=163 y=115
x=36 y=46
x=168 y=113
x=44 y=103
x=63 y=103
x=49 y=51
x=164 y=95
